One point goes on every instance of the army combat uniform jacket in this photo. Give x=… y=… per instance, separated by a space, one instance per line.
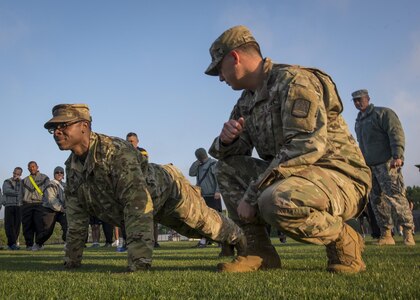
x=294 y=121
x=116 y=184
x=110 y=185
x=312 y=175
x=380 y=135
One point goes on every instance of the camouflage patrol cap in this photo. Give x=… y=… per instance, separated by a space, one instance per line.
x=359 y=93
x=64 y=113
x=229 y=40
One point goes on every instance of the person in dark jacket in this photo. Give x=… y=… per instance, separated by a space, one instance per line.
x=381 y=139
x=12 y=214
x=31 y=194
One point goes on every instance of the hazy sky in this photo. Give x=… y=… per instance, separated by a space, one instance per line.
x=140 y=65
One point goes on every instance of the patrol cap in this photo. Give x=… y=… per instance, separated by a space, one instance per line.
x=64 y=113
x=359 y=93
x=58 y=169
x=229 y=40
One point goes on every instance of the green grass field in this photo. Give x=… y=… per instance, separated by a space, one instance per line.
x=182 y=272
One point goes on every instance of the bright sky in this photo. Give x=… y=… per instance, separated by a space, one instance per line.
x=139 y=66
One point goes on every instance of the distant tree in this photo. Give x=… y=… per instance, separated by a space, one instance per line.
x=413 y=194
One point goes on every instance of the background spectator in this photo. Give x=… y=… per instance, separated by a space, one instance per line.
x=12 y=214
x=30 y=195
x=382 y=141
x=54 y=206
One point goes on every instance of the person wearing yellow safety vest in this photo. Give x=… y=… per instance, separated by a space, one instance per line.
x=30 y=195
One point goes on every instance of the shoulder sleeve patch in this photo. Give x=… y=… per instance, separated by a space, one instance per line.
x=301 y=108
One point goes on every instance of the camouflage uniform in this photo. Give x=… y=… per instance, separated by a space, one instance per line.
x=117 y=185
x=312 y=175
x=381 y=138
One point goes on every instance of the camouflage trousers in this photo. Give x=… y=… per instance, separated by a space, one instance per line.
x=309 y=206
x=388 y=197
x=185 y=211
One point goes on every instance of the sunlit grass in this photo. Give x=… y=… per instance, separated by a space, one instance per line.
x=182 y=272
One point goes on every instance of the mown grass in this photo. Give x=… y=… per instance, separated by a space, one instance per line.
x=182 y=272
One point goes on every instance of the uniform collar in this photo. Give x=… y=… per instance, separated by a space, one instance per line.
x=367 y=112
x=262 y=92
x=76 y=164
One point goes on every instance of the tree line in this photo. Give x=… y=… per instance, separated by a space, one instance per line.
x=413 y=194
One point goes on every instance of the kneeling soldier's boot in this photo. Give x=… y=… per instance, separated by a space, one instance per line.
x=227 y=250
x=259 y=244
x=386 y=238
x=258 y=254
x=408 y=237
x=345 y=253
x=243 y=262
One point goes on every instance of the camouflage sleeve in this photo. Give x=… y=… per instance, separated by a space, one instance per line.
x=78 y=224
x=304 y=121
x=242 y=146
x=392 y=125
x=131 y=190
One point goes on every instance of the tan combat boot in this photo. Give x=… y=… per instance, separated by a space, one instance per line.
x=408 y=237
x=259 y=253
x=259 y=244
x=241 y=264
x=345 y=253
x=386 y=238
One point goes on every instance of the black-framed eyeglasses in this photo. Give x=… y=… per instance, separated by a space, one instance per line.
x=59 y=172
x=62 y=126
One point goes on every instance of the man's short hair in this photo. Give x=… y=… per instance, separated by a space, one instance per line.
x=250 y=48
x=32 y=162
x=130 y=134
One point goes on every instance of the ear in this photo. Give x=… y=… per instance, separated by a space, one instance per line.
x=235 y=55
x=85 y=126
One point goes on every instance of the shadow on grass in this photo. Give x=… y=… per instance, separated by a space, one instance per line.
x=40 y=263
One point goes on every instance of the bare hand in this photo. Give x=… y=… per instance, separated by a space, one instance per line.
x=231 y=130
x=246 y=212
x=217 y=196
x=396 y=163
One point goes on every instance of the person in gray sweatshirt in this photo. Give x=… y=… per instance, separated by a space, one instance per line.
x=31 y=193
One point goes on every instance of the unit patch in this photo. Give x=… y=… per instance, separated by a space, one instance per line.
x=301 y=108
